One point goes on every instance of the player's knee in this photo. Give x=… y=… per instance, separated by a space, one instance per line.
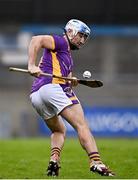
x=83 y=129
x=81 y=126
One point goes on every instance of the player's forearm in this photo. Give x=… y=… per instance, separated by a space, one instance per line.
x=34 y=48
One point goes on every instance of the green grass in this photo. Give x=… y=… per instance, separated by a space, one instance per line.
x=28 y=158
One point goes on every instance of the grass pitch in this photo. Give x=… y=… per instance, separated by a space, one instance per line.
x=28 y=159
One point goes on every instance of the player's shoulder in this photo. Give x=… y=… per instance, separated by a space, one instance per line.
x=58 y=37
x=60 y=41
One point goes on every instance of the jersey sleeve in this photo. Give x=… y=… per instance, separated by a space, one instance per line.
x=59 y=43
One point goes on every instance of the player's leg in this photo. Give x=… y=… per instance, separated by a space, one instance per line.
x=75 y=116
x=57 y=127
x=44 y=108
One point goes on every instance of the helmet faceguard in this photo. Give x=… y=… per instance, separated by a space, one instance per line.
x=76 y=26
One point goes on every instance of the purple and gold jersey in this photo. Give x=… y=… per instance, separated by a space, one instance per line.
x=58 y=62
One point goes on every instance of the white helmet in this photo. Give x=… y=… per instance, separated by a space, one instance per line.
x=77 y=26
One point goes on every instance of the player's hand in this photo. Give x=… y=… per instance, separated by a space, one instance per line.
x=74 y=82
x=34 y=70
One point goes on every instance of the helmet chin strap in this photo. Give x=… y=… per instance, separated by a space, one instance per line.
x=72 y=46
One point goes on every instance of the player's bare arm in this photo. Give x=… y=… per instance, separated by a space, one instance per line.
x=38 y=42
